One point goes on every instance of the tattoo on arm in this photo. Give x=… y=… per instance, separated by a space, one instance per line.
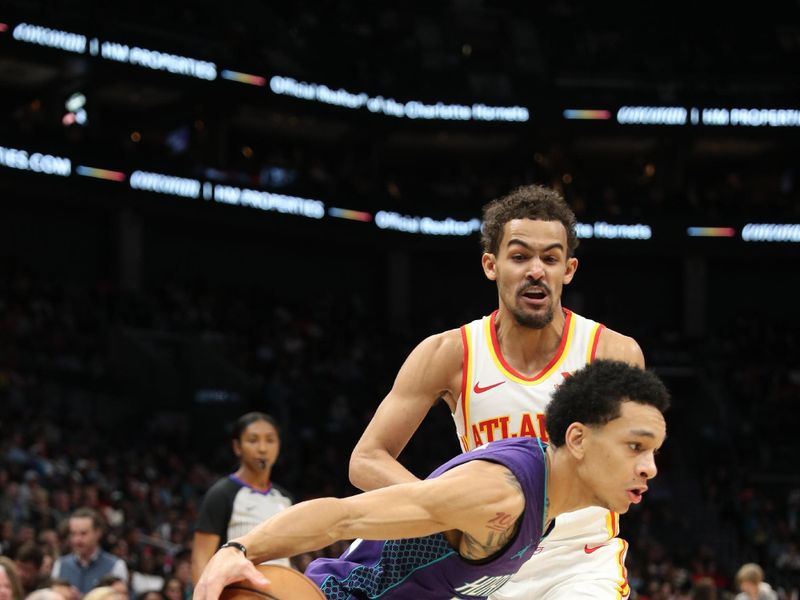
x=500 y=522
x=496 y=532
x=502 y=528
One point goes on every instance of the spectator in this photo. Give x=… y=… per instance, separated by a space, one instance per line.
x=183 y=572
x=147 y=577
x=173 y=589
x=704 y=589
x=750 y=579
x=44 y=594
x=10 y=588
x=789 y=559
x=118 y=584
x=104 y=592
x=29 y=560
x=87 y=562
x=65 y=589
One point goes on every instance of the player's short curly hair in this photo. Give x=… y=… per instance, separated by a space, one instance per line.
x=526 y=202
x=593 y=396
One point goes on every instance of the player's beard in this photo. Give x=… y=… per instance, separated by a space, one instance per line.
x=538 y=320
x=533 y=321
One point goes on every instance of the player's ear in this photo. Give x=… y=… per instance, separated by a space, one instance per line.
x=575 y=440
x=489 y=263
x=572 y=266
x=237 y=447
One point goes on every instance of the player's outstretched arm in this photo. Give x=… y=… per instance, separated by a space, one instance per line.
x=431 y=371
x=449 y=502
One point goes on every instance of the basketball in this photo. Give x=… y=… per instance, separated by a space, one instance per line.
x=285 y=584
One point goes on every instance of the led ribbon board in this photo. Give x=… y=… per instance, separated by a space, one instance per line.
x=196 y=189
x=142 y=57
x=710 y=231
x=771 y=232
x=607 y=231
x=413 y=109
x=425 y=225
x=37 y=162
x=282 y=86
x=710 y=116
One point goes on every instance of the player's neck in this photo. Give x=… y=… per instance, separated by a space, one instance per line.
x=527 y=349
x=565 y=492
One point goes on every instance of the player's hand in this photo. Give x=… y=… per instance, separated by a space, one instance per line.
x=225 y=567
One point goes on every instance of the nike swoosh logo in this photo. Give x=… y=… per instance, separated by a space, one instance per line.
x=479 y=390
x=589 y=550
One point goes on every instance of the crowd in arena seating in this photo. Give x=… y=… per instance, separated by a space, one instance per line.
x=75 y=431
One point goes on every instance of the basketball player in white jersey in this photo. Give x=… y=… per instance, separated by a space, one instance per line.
x=497 y=374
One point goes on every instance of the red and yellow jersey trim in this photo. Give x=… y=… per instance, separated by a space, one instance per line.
x=623 y=588
x=612 y=524
x=595 y=339
x=552 y=366
x=466 y=378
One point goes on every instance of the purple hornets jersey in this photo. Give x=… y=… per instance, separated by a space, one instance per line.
x=428 y=567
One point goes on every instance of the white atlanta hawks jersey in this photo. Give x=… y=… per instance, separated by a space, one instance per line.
x=497 y=402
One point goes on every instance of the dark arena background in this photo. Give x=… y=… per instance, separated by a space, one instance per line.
x=207 y=209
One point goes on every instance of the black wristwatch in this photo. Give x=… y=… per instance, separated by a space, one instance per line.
x=236 y=545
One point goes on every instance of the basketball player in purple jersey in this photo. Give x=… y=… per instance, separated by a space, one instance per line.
x=497 y=375
x=464 y=531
